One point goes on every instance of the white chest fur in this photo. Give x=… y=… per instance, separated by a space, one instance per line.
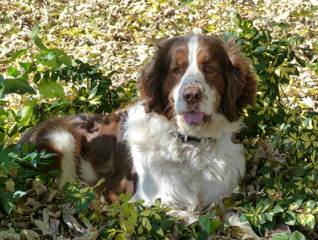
x=184 y=175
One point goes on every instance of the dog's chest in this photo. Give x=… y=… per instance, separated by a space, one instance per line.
x=191 y=174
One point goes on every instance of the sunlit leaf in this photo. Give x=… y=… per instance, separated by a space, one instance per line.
x=27 y=112
x=37 y=40
x=297 y=236
x=16 y=85
x=51 y=90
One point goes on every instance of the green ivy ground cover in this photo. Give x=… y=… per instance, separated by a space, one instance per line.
x=61 y=58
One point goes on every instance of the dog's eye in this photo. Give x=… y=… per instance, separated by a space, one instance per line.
x=178 y=70
x=210 y=68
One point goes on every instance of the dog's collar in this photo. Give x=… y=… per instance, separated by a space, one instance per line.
x=186 y=138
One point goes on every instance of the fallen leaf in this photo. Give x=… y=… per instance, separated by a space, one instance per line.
x=39 y=187
x=72 y=223
x=28 y=234
x=244 y=228
x=9 y=235
x=44 y=227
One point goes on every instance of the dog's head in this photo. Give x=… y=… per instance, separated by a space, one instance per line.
x=197 y=80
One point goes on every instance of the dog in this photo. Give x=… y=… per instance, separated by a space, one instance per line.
x=174 y=144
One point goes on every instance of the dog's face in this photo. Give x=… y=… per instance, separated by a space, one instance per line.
x=195 y=78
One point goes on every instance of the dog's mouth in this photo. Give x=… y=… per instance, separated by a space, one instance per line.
x=194 y=117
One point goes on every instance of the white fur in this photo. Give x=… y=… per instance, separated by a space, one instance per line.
x=64 y=142
x=187 y=176
x=192 y=54
x=86 y=172
x=194 y=77
x=214 y=128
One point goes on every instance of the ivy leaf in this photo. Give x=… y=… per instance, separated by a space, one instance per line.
x=295 y=205
x=36 y=39
x=121 y=236
x=279 y=59
x=280 y=236
x=146 y=224
x=17 y=85
x=209 y=224
x=263 y=205
x=54 y=58
x=27 y=112
x=309 y=206
x=51 y=90
x=297 y=236
x=146 y=213
x=306 y=220
x=315 y=210
x=277 y=209
x=311 y=221
x=259 y=50
x=290 y=217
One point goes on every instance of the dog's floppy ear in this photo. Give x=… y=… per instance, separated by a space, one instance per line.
x=151 y=81
x=241 y=83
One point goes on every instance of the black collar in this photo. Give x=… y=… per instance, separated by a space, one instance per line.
x=185 y=138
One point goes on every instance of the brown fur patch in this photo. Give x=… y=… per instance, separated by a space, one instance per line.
x=241 y=85
x=154 y=85
x=98 y=140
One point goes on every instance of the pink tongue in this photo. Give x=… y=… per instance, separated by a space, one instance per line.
x=193 y=117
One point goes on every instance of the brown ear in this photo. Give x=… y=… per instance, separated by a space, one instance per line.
x=241 y=83
x=151 y=81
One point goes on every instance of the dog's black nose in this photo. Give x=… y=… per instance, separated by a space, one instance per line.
x=192 y=95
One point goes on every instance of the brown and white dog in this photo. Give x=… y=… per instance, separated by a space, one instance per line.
x=175 y=143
